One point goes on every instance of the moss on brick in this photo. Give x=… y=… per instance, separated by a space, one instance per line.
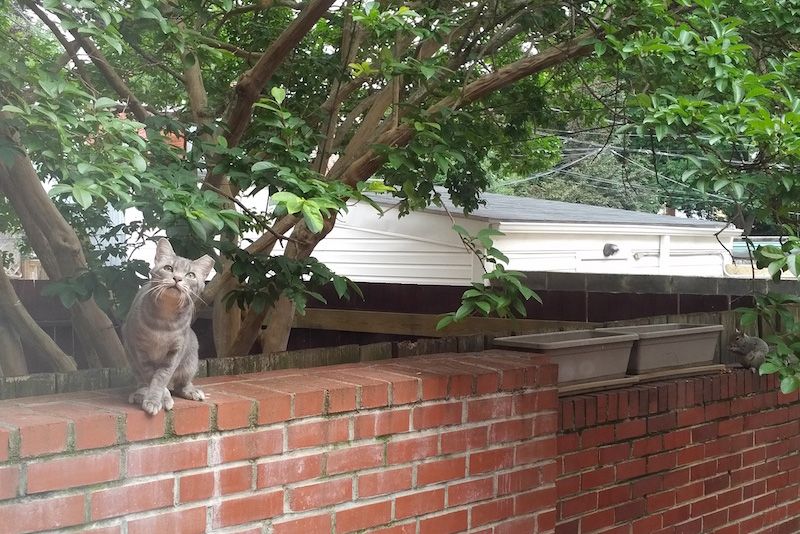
x=82 y=380
x=220 y=366
x=120 y=377
x=36 y=384
x=375 y=351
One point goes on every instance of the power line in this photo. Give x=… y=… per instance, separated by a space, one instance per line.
x=667 y=178
x=640 y=187
x=551 y=171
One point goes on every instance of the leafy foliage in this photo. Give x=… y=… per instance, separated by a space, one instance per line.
x=264 y=279
x=187 y=113
x=503 y=292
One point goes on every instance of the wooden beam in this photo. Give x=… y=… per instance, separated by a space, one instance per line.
x=420 y=324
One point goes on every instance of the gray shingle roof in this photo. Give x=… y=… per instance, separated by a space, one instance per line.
x=506 y=208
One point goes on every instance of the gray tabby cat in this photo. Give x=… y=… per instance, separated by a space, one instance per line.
x=157 y=334
x=751 y=351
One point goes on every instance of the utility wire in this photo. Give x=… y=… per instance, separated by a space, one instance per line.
x=548 y=173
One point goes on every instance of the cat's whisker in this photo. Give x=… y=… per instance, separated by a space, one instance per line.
x=196 y=296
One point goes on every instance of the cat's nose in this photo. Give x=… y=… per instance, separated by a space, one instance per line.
x=177 y=277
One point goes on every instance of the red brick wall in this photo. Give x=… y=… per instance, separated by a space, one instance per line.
x=435 y=444
x=475 y=442
x=716 y=454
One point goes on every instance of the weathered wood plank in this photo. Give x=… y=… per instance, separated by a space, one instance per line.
x=420 y=324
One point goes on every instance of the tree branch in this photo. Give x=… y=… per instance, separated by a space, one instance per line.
x=152 y=60
x=258 y=219
x=70 y=47
x=111 y=76
x=366 y=165
x=352 y=35
x=263 y=5
x=262 y=245
x=13 y=310
x=233 y=49
x=57 y=245
x=251 y=84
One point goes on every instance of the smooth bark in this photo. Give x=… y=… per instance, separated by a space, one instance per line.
x=59 y=249
x=12 y=355
x=25 y=326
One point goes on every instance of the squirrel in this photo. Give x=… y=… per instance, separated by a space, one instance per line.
x=751 y=351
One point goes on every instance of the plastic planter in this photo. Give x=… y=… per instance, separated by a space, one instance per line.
x=581 y=355
x=669 y=346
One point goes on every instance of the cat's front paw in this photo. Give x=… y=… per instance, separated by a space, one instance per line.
x=137 y=397
x=167 y=400
x=191 y=393
x=152 y=406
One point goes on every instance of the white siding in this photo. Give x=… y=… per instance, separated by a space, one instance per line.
x=640 y=252
x=422 y=248
x=418 y=249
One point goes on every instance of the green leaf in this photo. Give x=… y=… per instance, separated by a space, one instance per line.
x=444 y=321
x=427 y=71
x=793 y=262
x=789 y=384
x=198 y=228
x=464 y=310
x=59 y=189
x=775 y=268
x=82 y=197
x=767 y=368
x=497 y=254
x=312 y=217
x=104 y=102
x=695 y=161
x=84 y=168
x=460 y=230
x=262 y=166
x=340 y=284
x=12 y=109
x=292 y=202
x=278 y=93
x=748 y=319
x=738 y=92
x=139 y=162
x=600 y=48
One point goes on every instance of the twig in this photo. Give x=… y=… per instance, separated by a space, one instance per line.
x=471 y=248
x=255 y=216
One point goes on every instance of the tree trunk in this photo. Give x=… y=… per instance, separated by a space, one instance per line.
x=12 y=356
x=280 y=318
x=226 y=322
x=275 y=337
x=228 y=326
x=59 y=249
x=20 y=320
x=248 y=333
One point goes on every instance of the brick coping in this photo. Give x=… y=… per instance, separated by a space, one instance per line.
x=64 y=423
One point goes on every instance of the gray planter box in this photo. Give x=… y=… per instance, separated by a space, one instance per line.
x=581 y=355
x=671 y=345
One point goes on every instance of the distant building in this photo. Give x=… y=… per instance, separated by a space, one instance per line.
x=540 y=235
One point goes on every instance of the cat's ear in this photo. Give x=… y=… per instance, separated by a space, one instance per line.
x=203 y=266
x=164 y=250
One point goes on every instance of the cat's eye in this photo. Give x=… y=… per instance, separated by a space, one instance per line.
x=190 y=275
x=167 y=268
